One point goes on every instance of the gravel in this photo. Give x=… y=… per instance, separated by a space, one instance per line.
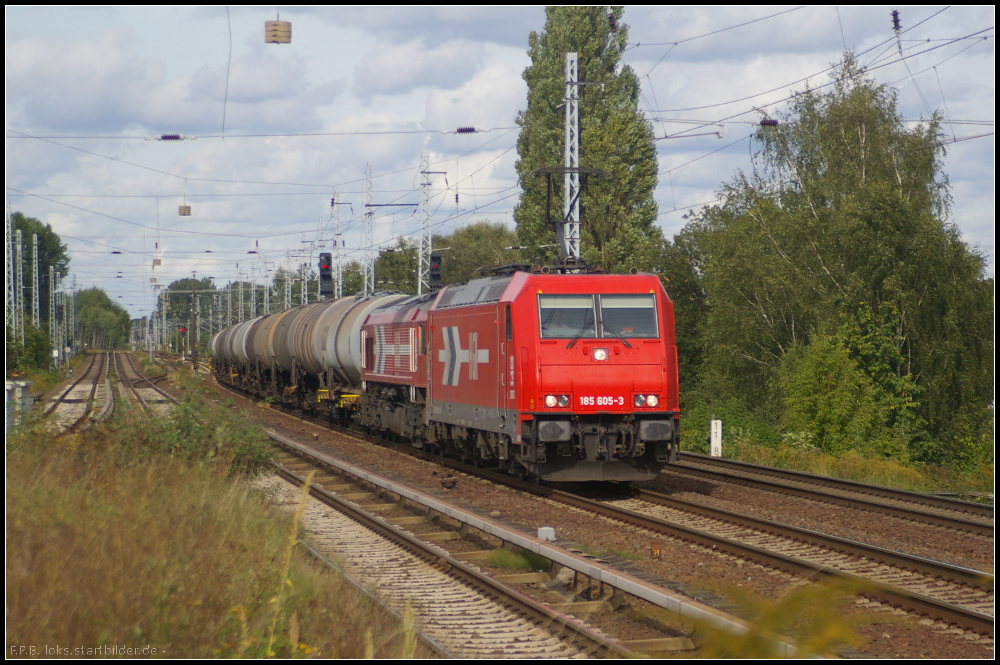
x=931 y=542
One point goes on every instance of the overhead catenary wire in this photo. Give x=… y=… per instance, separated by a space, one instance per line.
x=795 y=94
x=480 y=190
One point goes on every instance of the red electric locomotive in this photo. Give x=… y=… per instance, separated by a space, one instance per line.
x=561 y=377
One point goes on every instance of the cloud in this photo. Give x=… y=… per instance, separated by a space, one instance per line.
x=491 y=98
x=399 y=69
x=502 y=25
x=102 y=86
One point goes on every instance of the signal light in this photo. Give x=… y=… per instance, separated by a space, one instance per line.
x=183 y=329
x=326 y=274
x=434 y=280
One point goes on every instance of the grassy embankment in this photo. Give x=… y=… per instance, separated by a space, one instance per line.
x=143 y=531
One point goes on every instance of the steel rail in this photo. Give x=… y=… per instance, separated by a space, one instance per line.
x=89 y=405
x=902 y=560
x=429 y=642
x=129 y=385
x=947 y=612
x=558 y=625
x=931 y=500
x=978 y=528
x=151 y=381
x=55 y=404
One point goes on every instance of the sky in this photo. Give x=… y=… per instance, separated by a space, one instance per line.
x=273 y=132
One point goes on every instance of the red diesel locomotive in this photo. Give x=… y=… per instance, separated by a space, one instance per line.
x=559 y=377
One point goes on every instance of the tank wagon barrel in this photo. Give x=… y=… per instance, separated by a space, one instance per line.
x=318 y=343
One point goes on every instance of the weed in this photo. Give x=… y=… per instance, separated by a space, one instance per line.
x=627 y=555
x=517 y=560
x=811 y=615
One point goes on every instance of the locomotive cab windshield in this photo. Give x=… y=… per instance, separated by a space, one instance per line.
x=594 y=316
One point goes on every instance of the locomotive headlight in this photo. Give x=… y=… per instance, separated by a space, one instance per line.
x=550 y=401
x=640 y=400
x=600 y=354
x=563 y=400
x=652 y=400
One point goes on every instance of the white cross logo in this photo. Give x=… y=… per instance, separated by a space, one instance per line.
x=453 y=355
x=393 y=344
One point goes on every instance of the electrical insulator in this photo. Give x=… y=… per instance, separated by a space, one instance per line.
x=895 y=20
x=277 y=32
x=768 y=122
x=170 y=137
x=465 y=130
x=612 y=23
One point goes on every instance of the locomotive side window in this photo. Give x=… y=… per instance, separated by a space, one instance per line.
x=368 y=360
x=566 y=316
x=422 y=334
x=629 y=315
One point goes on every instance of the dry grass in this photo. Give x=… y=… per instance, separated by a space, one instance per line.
x=116 y=537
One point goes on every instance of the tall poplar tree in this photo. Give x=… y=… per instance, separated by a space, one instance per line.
x=618 y=213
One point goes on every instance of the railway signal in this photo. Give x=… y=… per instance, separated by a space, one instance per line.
x=326 y=274
x=434 y=281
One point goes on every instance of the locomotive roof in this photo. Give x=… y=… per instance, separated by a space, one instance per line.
x=476 y=292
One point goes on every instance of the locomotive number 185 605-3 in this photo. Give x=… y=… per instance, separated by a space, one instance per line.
x=601 y=400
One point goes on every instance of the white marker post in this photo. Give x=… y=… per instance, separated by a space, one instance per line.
x=715 y=439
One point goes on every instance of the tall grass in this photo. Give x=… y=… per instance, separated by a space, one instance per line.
x=141 y=531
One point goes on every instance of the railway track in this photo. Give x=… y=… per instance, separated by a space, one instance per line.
x=137 y=388
x=951 y=594
x=961 y=594
x=462 y=611
x=922 y=586
x=87 y=398
x=945 y=512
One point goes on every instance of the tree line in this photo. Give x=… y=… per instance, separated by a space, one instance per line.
x=828 y=301
x=98 y=321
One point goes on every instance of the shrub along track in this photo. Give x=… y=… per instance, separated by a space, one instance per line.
x=979 y=622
